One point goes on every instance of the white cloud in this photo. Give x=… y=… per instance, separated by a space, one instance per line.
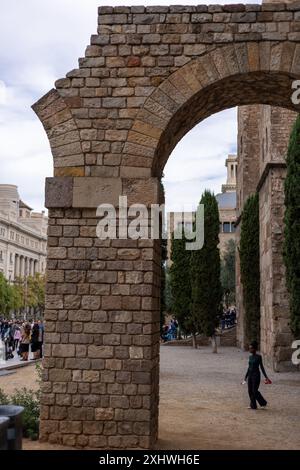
x=3 y=93
x=198 y=161
x=40 y=42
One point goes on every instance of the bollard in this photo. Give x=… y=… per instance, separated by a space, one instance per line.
x=14 y=431
x=4 y=423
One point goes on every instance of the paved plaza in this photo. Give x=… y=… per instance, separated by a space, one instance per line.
x=203 y=406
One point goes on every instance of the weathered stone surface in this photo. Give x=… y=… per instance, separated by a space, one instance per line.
x=59 y=192
x=141 y=191
x=93 y=191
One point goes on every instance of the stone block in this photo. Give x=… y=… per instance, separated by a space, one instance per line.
x=59 y=192
x=90 y=192
x=141 y=191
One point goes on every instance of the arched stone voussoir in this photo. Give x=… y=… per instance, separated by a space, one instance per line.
x=63 y=134
x=234 y=74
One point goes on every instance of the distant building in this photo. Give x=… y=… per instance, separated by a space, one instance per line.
x=23 y=236
x=227 y=204
x=227 y=211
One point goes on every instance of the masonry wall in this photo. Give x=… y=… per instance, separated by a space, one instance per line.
x=263 y=134
x=249 y=123
x=276 y=337
x=101 y=356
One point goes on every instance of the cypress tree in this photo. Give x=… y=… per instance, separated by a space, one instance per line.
x=291 y=249
x=250 y=272
x=163 y=281
x=180 y=284
x=205 y=272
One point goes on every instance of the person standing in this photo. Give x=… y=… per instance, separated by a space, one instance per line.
x=17 y=338
x=25 y=342
x=35 y=347
x=253 y=377
x=41 y=337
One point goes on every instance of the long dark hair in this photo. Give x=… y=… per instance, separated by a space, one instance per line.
x=254 y=345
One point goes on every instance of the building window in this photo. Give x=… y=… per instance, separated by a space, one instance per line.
x=12 y=235
x=232 y=227
x=11 y=258
x=2 y=232
x=226 y=227
x=1 y=256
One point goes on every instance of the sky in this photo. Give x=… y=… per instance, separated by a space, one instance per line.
x=40 y=41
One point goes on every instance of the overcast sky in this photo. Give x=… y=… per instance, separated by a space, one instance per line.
x=41 y=41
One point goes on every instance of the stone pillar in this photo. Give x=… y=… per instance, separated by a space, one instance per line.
x=26 y=266
x=21 y=266
x=276 y=337
x=17 y=266
x=32 y=267
x=247 y=180
x=101 y=367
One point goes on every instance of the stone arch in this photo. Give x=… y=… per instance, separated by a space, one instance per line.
x=54 y=111
x=112 y=124
x=227 y=76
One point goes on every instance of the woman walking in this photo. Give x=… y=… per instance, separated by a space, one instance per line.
x=253 y=377
x=25 y=342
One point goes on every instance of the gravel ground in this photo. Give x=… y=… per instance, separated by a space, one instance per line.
x=203 y=405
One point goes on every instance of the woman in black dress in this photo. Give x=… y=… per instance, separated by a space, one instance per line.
x=35 y=345
x=253 y=377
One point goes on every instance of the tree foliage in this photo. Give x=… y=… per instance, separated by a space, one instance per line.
x=292 y=227
x=23 y=293
x=180 y=283
x=228 y=273
x=250 y=271
x=205 y=272
x=163 y=282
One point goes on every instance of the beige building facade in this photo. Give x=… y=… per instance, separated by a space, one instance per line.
x=227 y=212
x=227 y=205
x=23 y=236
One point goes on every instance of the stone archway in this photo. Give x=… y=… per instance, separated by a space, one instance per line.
x=147 y=78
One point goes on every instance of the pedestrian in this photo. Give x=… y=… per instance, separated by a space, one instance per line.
x=25 y=342
x=17 y=338
x=35 y=346
x=41 y=337
x=253 y=377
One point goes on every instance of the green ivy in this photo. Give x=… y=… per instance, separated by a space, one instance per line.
x=291 y=250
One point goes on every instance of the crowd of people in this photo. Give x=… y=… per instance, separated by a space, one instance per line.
x=228 y=318
x=22 y=337
x=169 y=331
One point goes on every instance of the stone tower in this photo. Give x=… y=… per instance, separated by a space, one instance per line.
x=263 y=134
